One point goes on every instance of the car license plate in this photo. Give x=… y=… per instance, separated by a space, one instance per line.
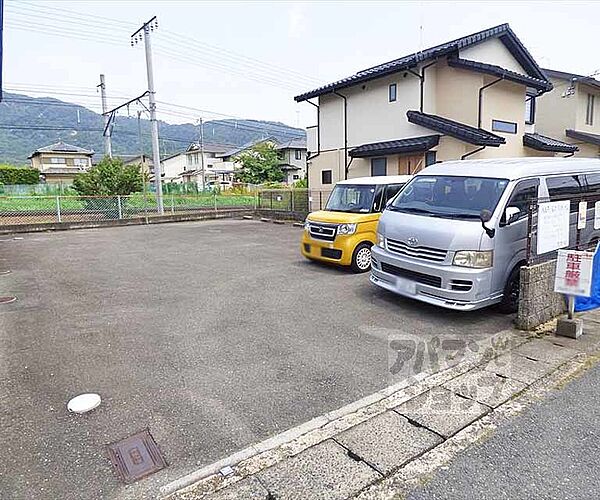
x=406 y=286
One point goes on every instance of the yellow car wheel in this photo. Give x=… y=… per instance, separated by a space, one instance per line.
x=361 y=258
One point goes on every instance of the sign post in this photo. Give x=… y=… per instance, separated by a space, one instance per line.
x=573 y=277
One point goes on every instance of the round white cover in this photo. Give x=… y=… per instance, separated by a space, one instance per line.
x=84 y=403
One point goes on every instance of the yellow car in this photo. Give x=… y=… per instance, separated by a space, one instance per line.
x=344 y=232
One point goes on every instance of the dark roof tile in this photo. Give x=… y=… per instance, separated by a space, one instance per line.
x=455 y=129
x=501 y=31
x=409 y=145
x=544 y=143
x=583 y=136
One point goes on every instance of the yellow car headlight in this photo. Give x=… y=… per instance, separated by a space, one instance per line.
x=346 y=228
x=474 y=259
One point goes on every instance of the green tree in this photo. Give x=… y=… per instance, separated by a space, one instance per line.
x=260 y=164
x=109 y=178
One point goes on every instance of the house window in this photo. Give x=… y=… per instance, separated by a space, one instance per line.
x=430 y=158
x=296 y=177
x=325 y=176
x=378 y=166
x=56 y=160
x=589 y=111
x=530 y=110
x=80 y=162
x=393 y=91
x=298 y=154
x=502 y=126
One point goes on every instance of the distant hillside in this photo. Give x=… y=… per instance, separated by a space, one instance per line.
x=45 y=120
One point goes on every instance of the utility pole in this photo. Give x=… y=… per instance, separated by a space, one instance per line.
x=144 y=32
x=202 y=152
x=107 y=143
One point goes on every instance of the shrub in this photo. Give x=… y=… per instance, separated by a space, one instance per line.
x=18 y=175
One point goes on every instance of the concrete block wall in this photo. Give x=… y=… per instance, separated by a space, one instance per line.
x=538 y=303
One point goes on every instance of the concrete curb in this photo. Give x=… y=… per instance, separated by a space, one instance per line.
x=267 y=453
x=561 y=360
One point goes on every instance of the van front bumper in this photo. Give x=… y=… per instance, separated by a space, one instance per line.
x=452 y=287
x=338 y=251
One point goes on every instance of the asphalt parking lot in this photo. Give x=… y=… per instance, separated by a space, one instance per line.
x=213 y=335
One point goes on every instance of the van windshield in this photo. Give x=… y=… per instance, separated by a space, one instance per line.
x=449 y=196
x=351 y=198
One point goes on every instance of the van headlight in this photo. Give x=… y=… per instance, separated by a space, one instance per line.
x=380 y=240
x=473 y=258
x=346 y=228
x=307 y=225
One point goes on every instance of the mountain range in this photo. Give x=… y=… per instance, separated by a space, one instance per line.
x=28 y=123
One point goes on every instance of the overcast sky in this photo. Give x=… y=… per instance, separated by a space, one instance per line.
x=248 y=59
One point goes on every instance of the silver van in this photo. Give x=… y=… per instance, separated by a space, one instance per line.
x=456 y=235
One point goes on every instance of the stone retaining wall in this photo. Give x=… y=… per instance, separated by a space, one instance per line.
x=538 y=302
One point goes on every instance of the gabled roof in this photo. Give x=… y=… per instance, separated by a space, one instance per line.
x=208 y=147
x=562 y=75
x=543 y=143
x=500 y=72
x=292 y=144
x=458 y=130
x=583 y=136
x=409 y=145
x=61 y=147
x=236 y=150
x=287 y=166
x=502 y=31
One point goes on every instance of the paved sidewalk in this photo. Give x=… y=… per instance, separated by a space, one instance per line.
x=551 y=451
x=390 y=443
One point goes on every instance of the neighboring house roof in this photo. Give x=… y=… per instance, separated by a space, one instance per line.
x=61 y=147
x=562 y=75
x=410 y=145
x=174 y=155
x=248 y=145
x=287 y=166
x=455 y=129
x=62 y=170
x=583 y=136
x=127 y=159
x=292 y=144
x=503 y=32
x=500 y=72
x=208 y=147
x=543 y=143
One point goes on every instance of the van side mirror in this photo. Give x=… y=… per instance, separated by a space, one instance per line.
x=511 y=214
x=485 y=216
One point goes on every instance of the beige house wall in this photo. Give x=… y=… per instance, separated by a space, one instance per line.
x=492 y=52
x=448 y=92
x=580 y=97
x=555 y=114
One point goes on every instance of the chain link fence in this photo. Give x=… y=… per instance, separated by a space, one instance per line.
x=32 y=209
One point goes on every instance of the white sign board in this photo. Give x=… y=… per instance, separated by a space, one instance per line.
x=582 y=215
x=597 y=215
x=553 y=226
x=574 y=272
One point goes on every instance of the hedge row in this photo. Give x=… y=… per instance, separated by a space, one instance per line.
x=18 y=175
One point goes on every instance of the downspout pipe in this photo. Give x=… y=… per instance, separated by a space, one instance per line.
x=480 y=102
x=318 y=130
x=421 y=77
x=472 y=152
x=346 y=166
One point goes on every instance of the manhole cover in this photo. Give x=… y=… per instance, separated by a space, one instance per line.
x=136 y=457
x=7 y=300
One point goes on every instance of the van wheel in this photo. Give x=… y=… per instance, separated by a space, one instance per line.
x=361 y=258
x=510 y=299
